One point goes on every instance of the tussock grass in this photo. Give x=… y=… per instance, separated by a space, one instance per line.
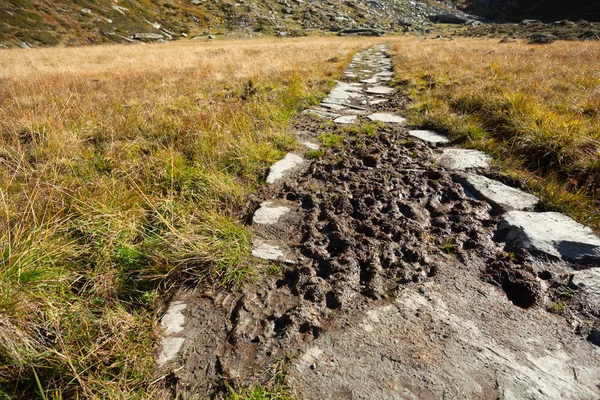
x=536 y=109
x=122 y=171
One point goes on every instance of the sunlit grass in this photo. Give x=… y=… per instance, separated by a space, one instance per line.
x=536 y=109
x=124 y=170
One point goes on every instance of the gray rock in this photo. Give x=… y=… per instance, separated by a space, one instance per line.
x=345 y=119
x=541 y=38
x=211 y=37
x=361 y=32
x=463 y=159
x=589 y=282
x=429 y=136
x=268 y=214
x=389 y=118
x=342 y=93
x=550 y=233
x=266 y=251
x=448 y=18
x=170 y=349
x=173 y=320
x=148 y=36
x=281 y=167
x=321 y=113
x=380 y=90
x=531 y=22
x=25 y=45
x=501 y=196
x=196 y=2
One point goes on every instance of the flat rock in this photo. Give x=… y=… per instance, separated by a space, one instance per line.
x=278 y=170
x=429 y=136
x=321 y=112
x=173 y=320
x=378 y=101
x=346 y=119
x=370 y=80
x=266 y=251
x=463 y=159
x=170 y=349
x=589 y=282
x=335 y=107
x=268 y=213
x=380 y=90
x=311 y=145
x=498 y=194
x=342 y=93
x=385 y=117
x=550 y=233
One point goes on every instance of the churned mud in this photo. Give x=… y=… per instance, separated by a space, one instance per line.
x=392 y=286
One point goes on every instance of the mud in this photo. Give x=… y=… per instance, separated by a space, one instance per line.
x=375 y=222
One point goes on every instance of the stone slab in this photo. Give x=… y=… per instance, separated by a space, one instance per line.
x=269 y=214
x=311 y=145
x=378 y=101
x=429 y=136
x=266 y=251
x=334 y=107
x=550 y=233
x=173 y=320
x=463 y=159
x=370 y=80
x=170 y=349
x=386 y=117
x=498 y=194
x=589 y=282
x=321 y=112
x=342 y=93
x=278 y=170
x=346 y=119
x=380 y=90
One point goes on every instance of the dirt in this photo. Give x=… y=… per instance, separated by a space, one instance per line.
x=391 y=263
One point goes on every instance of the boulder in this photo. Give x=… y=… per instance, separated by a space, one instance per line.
x=550 y=233
x=531 y=22
x=541 y=38
x=448 y=18
x=148 y=36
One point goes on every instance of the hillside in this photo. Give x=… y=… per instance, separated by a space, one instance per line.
x=81 y=22
x=546 y=10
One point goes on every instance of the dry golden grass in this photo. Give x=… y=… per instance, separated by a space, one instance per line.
x=121 y=168
x=535 y=108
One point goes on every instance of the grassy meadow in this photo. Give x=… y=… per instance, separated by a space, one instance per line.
x=123 y=171
x=535 y=108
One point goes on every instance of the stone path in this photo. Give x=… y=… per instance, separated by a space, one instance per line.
x=452 y=337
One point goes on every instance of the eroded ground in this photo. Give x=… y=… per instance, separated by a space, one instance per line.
x=390 y=286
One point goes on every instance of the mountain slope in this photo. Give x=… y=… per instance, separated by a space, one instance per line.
x=52 y=22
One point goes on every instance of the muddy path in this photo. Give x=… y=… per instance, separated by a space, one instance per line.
x=392 y=278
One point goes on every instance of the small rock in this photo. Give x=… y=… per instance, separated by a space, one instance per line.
x=346 y=119
x=267 y=214
x=429 y=136
x=25 y=45
x=211 y=37
x=277 y=170
x=389 y=118
x=380 y=90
